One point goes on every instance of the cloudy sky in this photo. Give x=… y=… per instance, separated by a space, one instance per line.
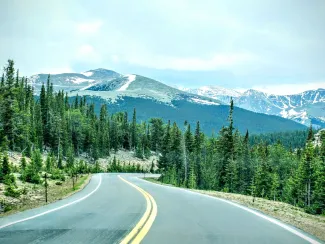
x=276 y=46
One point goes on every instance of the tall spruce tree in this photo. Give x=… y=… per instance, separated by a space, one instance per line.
x=9 y=103
x=134 y=130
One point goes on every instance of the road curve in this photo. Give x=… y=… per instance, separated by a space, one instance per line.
x=106 y=216
x=188 y=217
x=110 y=208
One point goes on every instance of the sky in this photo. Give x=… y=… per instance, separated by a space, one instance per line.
x=274 y=46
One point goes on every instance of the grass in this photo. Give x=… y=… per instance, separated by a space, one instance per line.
x=36 y=194
x=313 y=224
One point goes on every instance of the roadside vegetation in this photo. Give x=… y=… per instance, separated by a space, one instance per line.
x=32 y=182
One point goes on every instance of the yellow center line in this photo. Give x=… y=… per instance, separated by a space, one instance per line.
x=149 y=222
x=145 y=223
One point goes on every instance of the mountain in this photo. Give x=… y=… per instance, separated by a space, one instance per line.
x=138 y=86
x=216 y=92
x=305 y=108
x=152 y=98
x=73 y=81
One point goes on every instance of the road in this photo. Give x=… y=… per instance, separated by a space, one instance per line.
x=109 y=210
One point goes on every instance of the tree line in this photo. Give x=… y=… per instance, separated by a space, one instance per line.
x=66 y=127
x=228 y=162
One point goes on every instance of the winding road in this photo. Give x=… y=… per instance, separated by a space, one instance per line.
x=126 y=209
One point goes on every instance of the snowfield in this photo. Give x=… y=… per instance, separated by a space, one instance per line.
x=131 y=78
x=197 y=100
x=88 y=73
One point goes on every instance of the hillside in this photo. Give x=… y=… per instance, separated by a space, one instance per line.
x=211 y=118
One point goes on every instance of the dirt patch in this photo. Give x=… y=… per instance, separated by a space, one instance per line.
x=128 y=157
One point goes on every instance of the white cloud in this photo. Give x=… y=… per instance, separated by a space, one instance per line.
x=218 y=61
x=287 y=89
x=115 y=58
x=87 y=52
x=89 y=27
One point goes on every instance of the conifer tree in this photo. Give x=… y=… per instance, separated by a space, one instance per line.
x=9 y=103
x=134 y=130
x=310 y=133
x=5 y=167
x=23 y=163
x=166 y=143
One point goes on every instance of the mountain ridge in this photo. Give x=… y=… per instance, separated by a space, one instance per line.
x=307 y=107
x=154 y=98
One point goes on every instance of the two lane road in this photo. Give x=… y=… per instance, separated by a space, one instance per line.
x=110 y=208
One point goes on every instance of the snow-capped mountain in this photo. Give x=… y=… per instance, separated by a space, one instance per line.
x=139 y=86
x=306 y=107
x=111 y=86
x=153 y=99
x=73 y=81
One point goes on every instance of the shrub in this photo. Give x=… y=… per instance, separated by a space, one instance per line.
x=31 y=175
x=11 y=191
x=10 y=180
x=57 y=175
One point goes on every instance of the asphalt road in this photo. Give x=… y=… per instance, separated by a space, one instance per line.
x=108 y=209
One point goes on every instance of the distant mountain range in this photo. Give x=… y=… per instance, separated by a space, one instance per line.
x=305 y=108
x=152 y=98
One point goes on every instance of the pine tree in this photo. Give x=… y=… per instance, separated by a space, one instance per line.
x=70 y=160
x=198 y=140
x=166 y=144
x=23 y=163
x=48 y=164
x=319 y=192
x=37 y=160
x=156 y=133
x=263 y=176
x=304 y=176
x=125 y=131
x=275 y=186
x=2 y=84
x=17 y=79
x=231 y=182
x=310 y=133
x=60 y=166
x=5 y=167
x=9 y=104
x=192 y=180
x=134 y=130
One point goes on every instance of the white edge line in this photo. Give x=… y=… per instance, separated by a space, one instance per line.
x=55 y=209
x=272 y=220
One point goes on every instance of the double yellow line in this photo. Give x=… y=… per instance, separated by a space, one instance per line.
x=142 y=227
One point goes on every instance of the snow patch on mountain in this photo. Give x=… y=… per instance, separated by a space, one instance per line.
x=88 y=73
x=211 y=91
x=131 y=78
x=78 y=80
x=217 y=91
x=197 y=100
